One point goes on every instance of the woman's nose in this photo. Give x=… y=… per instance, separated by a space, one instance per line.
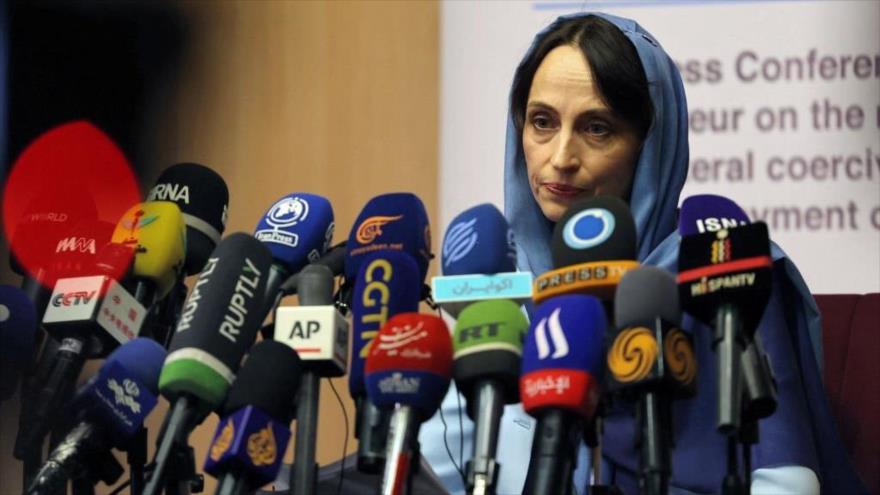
x=565 y=156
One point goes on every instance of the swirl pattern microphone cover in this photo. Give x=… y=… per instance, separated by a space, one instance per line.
x=410 y=363
x=563 y=356
x=478 y=240
x=395 y=221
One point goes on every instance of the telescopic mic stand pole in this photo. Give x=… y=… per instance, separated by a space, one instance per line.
x=315 y=288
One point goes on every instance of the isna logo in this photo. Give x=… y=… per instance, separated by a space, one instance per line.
x=588 y=228
x=288 y=212
x=459 y=242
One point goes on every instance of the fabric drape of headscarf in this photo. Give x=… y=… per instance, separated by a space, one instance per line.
x=801 y=431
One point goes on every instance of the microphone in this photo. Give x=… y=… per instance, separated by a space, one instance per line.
x=394 y=221
x=297 y=229
x=562 y=370
x=724 y=281
x=18 y=328
x=408 y=371
x=386 y=284
x=593 y=245
x=249 y=443
x=319 y=334
x=156 y=234
x=219 y=323
x=203 y=199
x=113 y=406
x=77 y=253
x=479 y=262
x=651 y=361
x=487 y=345
x=711 y=213
x=333 y=258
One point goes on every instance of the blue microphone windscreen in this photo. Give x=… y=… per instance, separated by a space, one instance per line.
x=567 y=332
x=18 y=325
x=396 y=221
x=703 y=213
x=388 y=283
x=143 y=358
x=478 y=240
x=297 y=229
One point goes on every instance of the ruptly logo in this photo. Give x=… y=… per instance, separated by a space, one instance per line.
x=262 y=448
x=398 y=384
x=556 y=335
x=176 y=193
x=721 y=251
x=74 y=244
x=288 y=212
x=588 y=228
x=459 y=242
x=371 y=228
x=401 y=336
x=223 y=441
x=632 y=354
x=125 y=394
x=244 y=291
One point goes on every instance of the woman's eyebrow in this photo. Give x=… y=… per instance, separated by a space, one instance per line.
x=590 y=112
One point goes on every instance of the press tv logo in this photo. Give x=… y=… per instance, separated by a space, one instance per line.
x=285 y=214
x=371 y=228
x=460 y=241
x=76 y=244
x=552 y=328
x=588 y=228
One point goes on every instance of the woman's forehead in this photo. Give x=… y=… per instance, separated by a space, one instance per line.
x=564 y=79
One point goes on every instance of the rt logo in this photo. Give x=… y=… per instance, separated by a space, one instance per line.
x=304 y=329
x=479 y=332
x=588 y=228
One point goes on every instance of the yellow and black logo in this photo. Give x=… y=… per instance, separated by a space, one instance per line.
x=261 y=447
x=680 y=357
x=632 y=355
x=721 y=252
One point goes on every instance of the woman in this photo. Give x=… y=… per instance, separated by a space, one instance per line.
x=597 y=107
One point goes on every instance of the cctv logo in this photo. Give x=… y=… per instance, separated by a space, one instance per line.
x=551 y=325
x=588 y=228
x=460 y=240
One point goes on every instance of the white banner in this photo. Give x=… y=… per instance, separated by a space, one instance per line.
x=784 y=104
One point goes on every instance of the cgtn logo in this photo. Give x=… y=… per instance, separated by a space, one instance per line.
x=588 y=228
x=459 y=242
x=76 y=244
x=80 y=297
x=399 y=384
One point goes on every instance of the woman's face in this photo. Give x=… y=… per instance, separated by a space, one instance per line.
x=574 y=146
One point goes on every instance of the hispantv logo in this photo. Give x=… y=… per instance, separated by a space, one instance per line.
x=459 y=242
x=283 y=215
x=552 y=325
x=588 y=228
x=237 y=308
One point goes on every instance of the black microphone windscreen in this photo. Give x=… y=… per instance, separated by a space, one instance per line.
x=594 y=229
x=644 y=294
x=268 y=379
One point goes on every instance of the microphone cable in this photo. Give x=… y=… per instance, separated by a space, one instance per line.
x=345 y=441
x=458 y=464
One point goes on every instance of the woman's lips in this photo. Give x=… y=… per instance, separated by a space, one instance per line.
x=563 y=190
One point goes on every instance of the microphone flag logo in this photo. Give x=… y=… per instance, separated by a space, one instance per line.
x=588 y=228
x=262 y=448
x=223 y=441
x=371 y=228
x=460 y=241
x=287 y=212
x=556 y=335
x=721 y=252
x=125 y=394
x=401 y=336
x=632 y=355
x=74 y=244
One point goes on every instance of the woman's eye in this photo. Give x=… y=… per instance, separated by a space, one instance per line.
x=597 y=128
x=542 y=122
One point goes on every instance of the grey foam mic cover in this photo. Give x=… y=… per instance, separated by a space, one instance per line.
x=644 y=294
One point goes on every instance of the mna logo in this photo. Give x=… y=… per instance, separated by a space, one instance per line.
x=371 y=228
x=262 y=448
x=459 y=242
x=402 y=336
x=398 y=384
x=552 y=325
x=176 y=193
x=74 y=244
x=126 y=394
x=721 y=250
x=588 y=228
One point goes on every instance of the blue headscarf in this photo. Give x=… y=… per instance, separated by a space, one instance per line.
x=802 y=431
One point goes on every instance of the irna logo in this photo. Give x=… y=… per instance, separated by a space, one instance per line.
x=177 y=193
